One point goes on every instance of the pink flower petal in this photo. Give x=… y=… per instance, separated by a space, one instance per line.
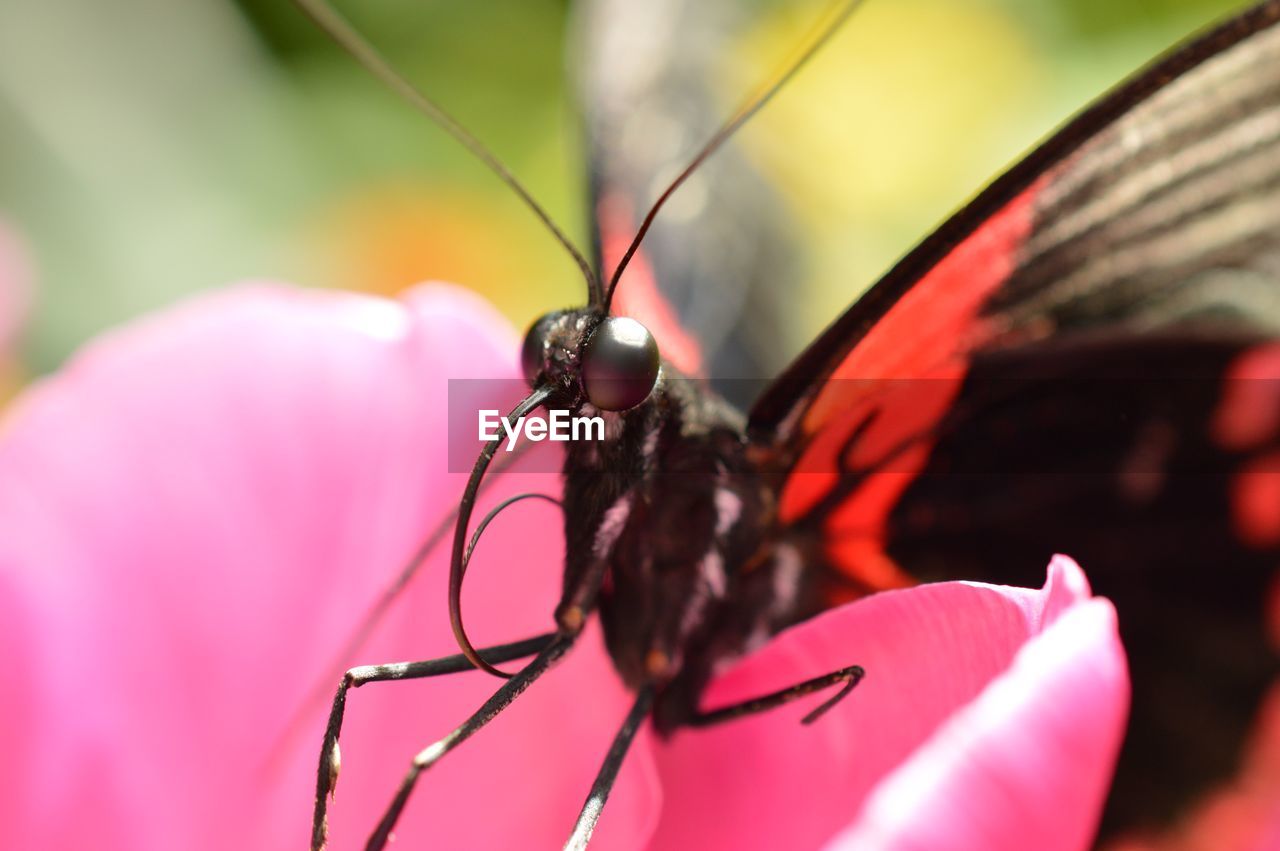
x=199 y=509
x=1025 y=765
x=768 y=782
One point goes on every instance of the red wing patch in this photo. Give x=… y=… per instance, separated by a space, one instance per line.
x=877 y=411
x=937 y=320
x=1247 y=419
x=1248 y=416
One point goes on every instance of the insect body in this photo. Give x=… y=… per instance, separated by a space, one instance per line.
x=672 y=515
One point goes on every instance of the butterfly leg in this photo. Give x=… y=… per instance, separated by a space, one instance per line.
x=608 y=773
x=330 y=760
x=850 y=676
x=551 y=653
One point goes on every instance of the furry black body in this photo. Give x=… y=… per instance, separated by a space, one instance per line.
x=672 y=515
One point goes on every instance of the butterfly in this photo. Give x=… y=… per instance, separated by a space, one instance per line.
x=1080 y=360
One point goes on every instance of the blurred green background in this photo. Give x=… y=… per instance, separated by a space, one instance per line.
x=151 y=148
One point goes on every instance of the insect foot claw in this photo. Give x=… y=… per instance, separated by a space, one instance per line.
x=851 y=677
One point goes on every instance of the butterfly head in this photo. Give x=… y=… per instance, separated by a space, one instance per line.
x=611 y=362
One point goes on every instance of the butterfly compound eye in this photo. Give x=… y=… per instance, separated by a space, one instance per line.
x=619 y=364
x=533 y=351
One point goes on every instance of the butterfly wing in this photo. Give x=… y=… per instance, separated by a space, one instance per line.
x=1079 y=362
x=1160 y=479
x=706 y=280
x=984 y=274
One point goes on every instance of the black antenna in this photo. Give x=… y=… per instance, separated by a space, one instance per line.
x=827 y=26
x=346 y=36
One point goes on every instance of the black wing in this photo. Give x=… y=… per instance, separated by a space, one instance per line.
x=708 y=282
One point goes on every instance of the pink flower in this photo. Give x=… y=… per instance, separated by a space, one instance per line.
x=198 y=509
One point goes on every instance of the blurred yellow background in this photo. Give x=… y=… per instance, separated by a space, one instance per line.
x=151 y=149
